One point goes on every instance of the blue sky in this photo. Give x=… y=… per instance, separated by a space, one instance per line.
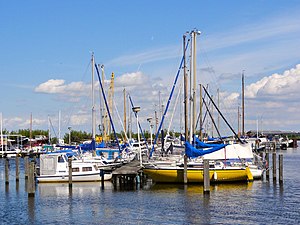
x=46 y=49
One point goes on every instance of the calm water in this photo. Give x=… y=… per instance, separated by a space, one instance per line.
x=260 y=202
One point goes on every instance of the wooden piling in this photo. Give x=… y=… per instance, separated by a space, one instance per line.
x=26 y=165
x=17 y=169
x=295 y=145
x=206 y=178
x=280 y=168
x=70 y=171
x=31 y=181
x=274 y=165
x=267 y=159
x=102 y=178
x=115 y=182
x=6 y=171
x=185 y=180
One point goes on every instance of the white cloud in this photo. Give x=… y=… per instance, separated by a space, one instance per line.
x=57 y=86
x=22 y=123
x=131 y=79
x=78 y=120
x=285 y=86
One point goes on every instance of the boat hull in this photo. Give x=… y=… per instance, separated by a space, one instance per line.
x=195 y=175
x=91 y=177
x=256 y=173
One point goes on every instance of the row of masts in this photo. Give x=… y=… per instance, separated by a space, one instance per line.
x=190 y=125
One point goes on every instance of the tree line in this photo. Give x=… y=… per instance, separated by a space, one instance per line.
x=76 y=136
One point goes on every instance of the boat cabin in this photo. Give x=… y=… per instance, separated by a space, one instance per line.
x=51 y=164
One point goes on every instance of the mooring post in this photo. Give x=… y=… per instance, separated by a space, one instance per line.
x=280 y=168
x=185 y=180
x=6 y=171
x=26 y=165
x=31 y=182
x=267 y=159
x=115 y=182
x=274 y=165
x=122 y=182
x=17 y=168
x=70 y=171
x=206 y=178
x=102 y=178
x=295 y=143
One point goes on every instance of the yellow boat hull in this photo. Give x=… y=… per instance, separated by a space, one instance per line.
x=196 y=175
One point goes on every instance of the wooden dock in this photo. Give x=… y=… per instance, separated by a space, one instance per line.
x=127 y=176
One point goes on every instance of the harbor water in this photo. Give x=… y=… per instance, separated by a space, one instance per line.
x=260 y=202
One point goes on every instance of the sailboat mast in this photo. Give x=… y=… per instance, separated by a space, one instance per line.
x=185 y=109
x=124 y=93
x=191 y=91
x=194 y=82
x=1 y=121
x=239 y=130
x=243 y=104
x=93 y=101
x=212 y=119
x=201 y=112
x=185 y=99
x=180 y=108
x=49 y=130
x=218 y=107
x=30 y=133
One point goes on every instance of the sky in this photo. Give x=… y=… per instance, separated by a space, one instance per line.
x=46 y=48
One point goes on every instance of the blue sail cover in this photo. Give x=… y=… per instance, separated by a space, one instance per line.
x=101 y=145
x=216 y=139
x=200 y=144
x=88 y=146
x=192 y=152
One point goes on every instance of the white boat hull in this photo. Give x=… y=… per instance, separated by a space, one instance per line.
x=90 y=177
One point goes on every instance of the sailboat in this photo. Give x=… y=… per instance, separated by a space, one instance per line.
x=112 y=154
x=220 y=170
x=181 y=171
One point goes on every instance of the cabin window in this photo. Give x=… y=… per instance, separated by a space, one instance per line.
x=76 y=169
x=60 y=159
x=87 y=169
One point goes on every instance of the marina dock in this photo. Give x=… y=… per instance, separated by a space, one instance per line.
x=127 y=176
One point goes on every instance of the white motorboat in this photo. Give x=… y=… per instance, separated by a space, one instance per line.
x=54 y=168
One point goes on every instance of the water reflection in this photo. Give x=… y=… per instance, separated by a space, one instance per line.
x=17 y=186
x=31 y=209
x=6 y=189
x=198 y=188
x=80 y=189
x=258 y=202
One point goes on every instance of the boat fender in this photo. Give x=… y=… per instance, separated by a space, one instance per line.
x=215 y=175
